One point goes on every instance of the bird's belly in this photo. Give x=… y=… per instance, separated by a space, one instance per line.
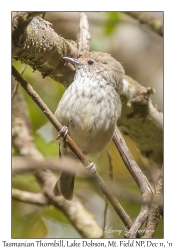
x=90 y=117
x=92 y=133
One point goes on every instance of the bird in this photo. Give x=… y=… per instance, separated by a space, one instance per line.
x=89 y=109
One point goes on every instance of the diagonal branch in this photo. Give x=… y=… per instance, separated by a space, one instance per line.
x=21 y=165
x=107 y=192
x=140 y=179
x=23 y=142
x=156 y=209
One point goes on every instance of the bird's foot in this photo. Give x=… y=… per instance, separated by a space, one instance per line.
x=92 y=167
x=63 y=132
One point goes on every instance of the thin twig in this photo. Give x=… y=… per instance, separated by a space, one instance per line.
x=147 y=19
x=141 y=180
x=156 y=208
x=105 y=213
x=107 y=192
x=111 y=180
x=17 y=84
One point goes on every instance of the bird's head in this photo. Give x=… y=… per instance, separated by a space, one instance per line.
x=102 y=65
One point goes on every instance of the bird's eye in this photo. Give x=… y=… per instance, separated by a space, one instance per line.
x=90 y=62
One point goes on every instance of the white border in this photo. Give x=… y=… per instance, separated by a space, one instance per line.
x=5 y=94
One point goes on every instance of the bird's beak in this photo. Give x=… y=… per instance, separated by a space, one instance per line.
x=72 y=60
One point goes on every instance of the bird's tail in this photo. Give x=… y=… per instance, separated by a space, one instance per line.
x=65 y=185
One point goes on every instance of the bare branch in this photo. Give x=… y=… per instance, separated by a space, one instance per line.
x=34 y=198
x=84 y=35
x=24 y=18
x=156 y=208
x=140 y=179
x=110 y=172
x=145 y=18
x=21 y=165
x=35 y=43
x=107 y=192
x=81 y=219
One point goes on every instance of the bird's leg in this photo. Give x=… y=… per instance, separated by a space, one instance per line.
x=63 y=132
x=92 y=167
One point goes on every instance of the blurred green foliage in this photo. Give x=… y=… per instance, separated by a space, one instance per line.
x=113 y=18
x=46 y=148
